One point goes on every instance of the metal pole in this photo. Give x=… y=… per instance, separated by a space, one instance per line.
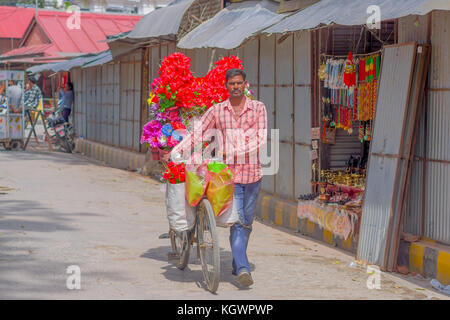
x=36 y=8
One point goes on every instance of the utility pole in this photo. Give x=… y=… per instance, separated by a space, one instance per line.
x=36 y=8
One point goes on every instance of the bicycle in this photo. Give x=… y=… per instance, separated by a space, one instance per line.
x=204 y=234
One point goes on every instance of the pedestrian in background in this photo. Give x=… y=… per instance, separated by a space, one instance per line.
x=33 y=96
x=67 y=101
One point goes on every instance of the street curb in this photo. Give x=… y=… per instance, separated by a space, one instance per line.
x=114 y=157
x=281 y=212
x=426 y=259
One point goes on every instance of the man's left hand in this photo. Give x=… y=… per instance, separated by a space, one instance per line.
x=165 y=158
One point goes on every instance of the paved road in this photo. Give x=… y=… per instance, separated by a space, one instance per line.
x=58 y=210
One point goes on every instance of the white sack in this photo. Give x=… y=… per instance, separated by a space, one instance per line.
x=229 y=217
x=180 y=214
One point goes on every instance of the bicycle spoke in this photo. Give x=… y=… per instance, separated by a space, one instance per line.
x=208 y=245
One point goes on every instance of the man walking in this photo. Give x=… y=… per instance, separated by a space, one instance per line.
x=33 y=96
x=243 y=124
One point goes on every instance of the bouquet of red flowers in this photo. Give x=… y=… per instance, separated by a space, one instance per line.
x=175 y=173
x=177 y=96
x=212 y=86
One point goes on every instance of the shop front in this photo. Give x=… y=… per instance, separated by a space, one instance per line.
x=346 y=76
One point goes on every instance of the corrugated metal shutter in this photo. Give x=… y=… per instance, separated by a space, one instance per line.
x=346 y=145
x=382 y=181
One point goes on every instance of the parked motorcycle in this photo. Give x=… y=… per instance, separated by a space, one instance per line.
x=63 y=134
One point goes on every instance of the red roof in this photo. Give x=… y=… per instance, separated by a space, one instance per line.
x=41 y=49
x=15 y=21
x=94 y=27
x=33 y=54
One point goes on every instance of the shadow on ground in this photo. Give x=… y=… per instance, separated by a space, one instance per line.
x=29 y=271
x=172 y=273
x=55 y=156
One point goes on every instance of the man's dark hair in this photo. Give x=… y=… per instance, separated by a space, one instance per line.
x=32 y=79
x=70 y=84
x=235 y=72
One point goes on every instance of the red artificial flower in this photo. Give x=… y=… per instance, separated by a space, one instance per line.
x=181 y=89
x=166 y=175
x=175 y=173
x=213 y=85
x=177 y=125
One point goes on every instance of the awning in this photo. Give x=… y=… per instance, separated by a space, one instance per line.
x=232 y=25
x=156 y=26
x=69 y=64
x=351 y=12
x=101 y=59
x=160 y=22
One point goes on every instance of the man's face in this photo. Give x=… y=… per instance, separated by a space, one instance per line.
x=236 y=86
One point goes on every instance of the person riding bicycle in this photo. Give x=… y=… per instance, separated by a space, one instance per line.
x=243 y=124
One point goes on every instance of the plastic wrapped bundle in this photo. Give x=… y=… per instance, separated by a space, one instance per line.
x=196 y=183
x=220 y=189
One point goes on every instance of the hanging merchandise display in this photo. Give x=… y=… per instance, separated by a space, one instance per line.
x=350 y=92
x=348 y=100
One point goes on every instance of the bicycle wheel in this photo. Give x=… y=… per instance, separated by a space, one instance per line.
x=208 y=243
x=67 y=145
x=181 y=247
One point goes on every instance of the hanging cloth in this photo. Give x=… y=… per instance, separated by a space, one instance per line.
x=378 y=66
x=362 y=69
x=367 y=73
x=349 y=71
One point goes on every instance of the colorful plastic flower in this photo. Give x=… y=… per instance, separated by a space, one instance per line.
x=171 y=141
x=162 y=140
x=173 y=116
x=167 y=130
x=178 y=134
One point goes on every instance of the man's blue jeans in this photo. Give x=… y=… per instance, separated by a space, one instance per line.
x=245 y=196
